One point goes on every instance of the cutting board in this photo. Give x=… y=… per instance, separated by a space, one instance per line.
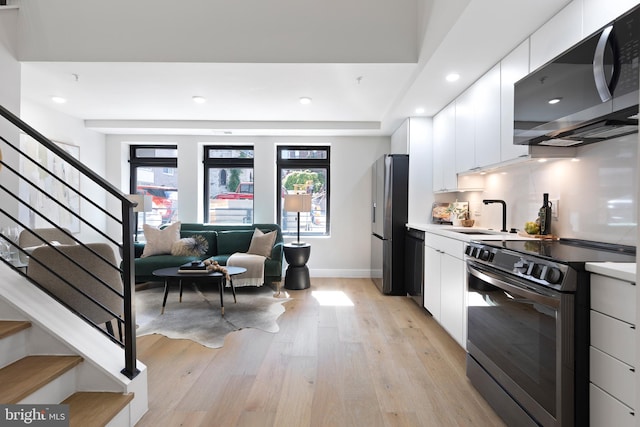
x=538 y=236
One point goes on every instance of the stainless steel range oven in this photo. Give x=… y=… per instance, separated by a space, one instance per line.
x=528 y=327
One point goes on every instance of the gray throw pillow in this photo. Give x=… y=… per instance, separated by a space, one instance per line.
x=261 y=243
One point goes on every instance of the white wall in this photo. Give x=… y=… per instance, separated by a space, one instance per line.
x=345 y=253
x=9 y=97
x=596 y=192
x=70 y=130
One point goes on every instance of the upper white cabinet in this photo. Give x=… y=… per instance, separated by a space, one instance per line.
x=478 y=123
x=598 y=13
x=444 y=140
x=557 y=35
x=512 y=68
x=487 y=114
x=465 y=131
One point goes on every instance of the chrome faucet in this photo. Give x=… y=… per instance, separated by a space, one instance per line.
x=504 y=211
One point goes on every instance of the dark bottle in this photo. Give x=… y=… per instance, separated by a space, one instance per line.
x=545 y=215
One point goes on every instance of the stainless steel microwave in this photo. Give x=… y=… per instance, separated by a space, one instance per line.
x=585 y=95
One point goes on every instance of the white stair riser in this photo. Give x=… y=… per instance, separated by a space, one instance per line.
x=56 y=391
x=122 y=419
x=13 y=347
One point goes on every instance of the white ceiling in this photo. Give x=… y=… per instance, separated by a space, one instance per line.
x=136 y=71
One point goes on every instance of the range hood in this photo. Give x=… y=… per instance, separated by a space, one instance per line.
x=596 y=131
x=587 y=94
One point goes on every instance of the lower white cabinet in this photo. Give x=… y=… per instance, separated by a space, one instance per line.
x=612 y=355
x=444 y=284
x=432 y=281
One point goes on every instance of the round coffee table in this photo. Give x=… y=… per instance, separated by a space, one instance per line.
x=173 y=273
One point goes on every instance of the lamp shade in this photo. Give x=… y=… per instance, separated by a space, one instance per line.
x=143 y=201
x=297 y=202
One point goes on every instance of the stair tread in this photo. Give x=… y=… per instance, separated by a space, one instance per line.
x=10 y=327
x=30 y=373
x=88 y=409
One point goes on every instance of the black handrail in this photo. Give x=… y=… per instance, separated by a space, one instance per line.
x=126 y=224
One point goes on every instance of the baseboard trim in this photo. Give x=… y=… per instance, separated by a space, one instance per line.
x=345 y=273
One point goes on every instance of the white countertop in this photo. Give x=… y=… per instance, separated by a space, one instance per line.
x=455 y=232
x=618 y=270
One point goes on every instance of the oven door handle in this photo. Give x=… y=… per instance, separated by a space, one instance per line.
x=516 y=289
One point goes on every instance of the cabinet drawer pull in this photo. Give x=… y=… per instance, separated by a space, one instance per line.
x=633 y=414
x=632 y=369
x=632 y=326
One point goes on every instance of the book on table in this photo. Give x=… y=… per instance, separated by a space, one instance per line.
x=193 y=267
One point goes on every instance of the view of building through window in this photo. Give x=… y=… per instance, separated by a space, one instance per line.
x=228 y=184
x=154 y=173
x=304 y=170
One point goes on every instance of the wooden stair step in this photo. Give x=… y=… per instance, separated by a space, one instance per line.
x=88 y=409
x=30 y=373
x=10 y=327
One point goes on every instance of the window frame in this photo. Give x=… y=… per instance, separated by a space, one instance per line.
x=224 y=163
x=136 y=161
x=304 y=164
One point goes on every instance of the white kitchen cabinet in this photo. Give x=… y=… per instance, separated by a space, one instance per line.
x=512 y=68
x=487 y=117
x=478 y=123
x=444 y=139
x=432 y=281
x=452 y=297
x=465 y=131
x=612 y=351
x=606 y=411
x=445 y=289
x=598 y=13
x=556 y=35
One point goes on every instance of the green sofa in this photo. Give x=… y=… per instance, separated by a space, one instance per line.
x=223 y=240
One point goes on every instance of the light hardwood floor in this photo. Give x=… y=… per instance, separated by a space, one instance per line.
x=381 y=362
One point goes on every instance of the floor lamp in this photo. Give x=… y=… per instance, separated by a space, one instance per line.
x=297 y=203
x=144 y=205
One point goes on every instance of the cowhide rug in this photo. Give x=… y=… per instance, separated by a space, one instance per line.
x=198 y=317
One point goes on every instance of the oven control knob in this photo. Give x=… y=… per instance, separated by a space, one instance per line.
x=484 y=254
x=554 y=275
x=469 y=251
x=536 y=271
x=521 y=267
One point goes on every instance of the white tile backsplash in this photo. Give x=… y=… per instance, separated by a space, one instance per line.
x=597 y=193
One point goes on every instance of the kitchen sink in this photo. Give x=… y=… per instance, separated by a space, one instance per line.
x=474 y=232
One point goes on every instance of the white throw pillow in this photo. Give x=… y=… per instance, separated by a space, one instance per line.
x=159 y=242
x=261 y=243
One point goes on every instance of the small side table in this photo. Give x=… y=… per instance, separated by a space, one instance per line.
x=297 y=276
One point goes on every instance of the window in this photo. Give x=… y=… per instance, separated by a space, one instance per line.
x=154 y=172
x=304 y=169
x=228 y=190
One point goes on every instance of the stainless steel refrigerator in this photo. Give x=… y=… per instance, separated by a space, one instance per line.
x=389 y=210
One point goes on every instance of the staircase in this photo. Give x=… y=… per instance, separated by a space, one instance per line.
x=46 y=358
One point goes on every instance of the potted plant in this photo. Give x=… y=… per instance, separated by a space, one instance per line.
x=458 y=213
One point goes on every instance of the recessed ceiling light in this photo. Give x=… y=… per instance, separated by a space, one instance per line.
x=199 y=99
x=305 y=100
x=554 y=100
x=58 y=99
x=452 y=77
x=420 y=110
